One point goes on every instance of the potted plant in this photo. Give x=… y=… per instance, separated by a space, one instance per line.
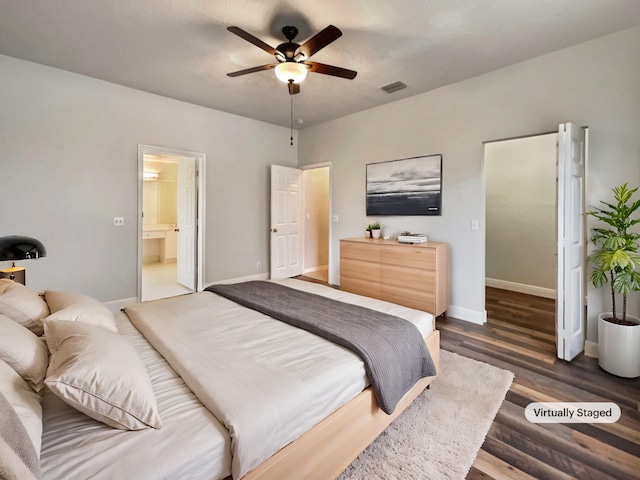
x=615 y=261
x=375 y=229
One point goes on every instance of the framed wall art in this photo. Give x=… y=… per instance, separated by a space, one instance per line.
x=410 y=186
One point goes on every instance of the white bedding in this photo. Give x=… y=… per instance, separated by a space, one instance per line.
x=266 y=381
x=191 y=444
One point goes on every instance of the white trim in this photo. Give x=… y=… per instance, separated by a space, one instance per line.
x=200 y=159
x=473 y=316
x=115 y=305
x=521 y=288
x=258 y=276
x=591 y=349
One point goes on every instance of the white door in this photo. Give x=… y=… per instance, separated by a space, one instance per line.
x=286 y=222
x=187 y=215
x=570 y=304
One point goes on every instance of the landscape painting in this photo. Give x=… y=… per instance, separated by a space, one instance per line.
x=411 y=186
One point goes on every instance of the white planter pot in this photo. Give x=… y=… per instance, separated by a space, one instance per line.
x=375 y=233
x=619 y=347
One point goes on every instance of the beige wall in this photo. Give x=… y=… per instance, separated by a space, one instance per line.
x=316 y=223
x=160 y=197
x=596 y=84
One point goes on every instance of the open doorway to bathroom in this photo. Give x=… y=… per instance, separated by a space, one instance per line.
x=170 y=240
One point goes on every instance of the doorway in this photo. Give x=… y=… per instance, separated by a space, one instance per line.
x=522 y=247
x=300 y=221
x=521 y=215
x=170 y=206
x=316 y=188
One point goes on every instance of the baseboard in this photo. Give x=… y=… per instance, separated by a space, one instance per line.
x=479 y=317
x=259 y=276
x=521 y=288
x=591 y=349
x=116 y=305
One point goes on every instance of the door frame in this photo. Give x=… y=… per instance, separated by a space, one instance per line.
x=200 y=205
x=314 y=166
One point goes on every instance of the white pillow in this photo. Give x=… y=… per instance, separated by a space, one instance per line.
x=79 y=308
x=100 y=373
x=23 y=351
x=22 y=305
x=24 y=401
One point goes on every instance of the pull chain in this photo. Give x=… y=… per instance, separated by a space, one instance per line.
x=291 y=119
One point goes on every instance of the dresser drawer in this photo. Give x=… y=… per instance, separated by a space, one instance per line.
x=409 y=256
x=360 y=269
x=407 y=277
x=420 y=300
x=360 y=251
x=360 y=286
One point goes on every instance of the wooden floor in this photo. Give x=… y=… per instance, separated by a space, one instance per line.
x=520 y=336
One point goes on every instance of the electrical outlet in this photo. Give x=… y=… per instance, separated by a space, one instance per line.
x=118 y=221
x=258 y=265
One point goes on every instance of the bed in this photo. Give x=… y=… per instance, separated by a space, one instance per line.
x=189 y=344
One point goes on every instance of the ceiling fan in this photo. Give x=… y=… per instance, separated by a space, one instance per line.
x=293 y=58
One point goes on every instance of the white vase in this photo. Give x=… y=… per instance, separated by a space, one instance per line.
x=619 y=346
x=376 y=233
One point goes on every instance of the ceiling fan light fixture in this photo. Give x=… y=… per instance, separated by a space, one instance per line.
x=291 y=72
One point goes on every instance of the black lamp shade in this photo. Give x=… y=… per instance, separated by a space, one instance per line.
x=19 y=247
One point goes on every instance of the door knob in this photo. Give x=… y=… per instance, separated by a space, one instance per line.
x=274 y=230
x=176 y=229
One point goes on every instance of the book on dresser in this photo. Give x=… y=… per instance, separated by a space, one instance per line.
x=415 y=275
x=412 y=238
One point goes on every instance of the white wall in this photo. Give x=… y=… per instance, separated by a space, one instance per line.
x=596 y=83
x=521 y=214
x=69 y=164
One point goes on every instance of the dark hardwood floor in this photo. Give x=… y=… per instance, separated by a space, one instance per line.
x=520 y=336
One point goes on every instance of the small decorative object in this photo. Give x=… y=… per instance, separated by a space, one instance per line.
x=374 y=228
x=616 y=261
x=411 y=186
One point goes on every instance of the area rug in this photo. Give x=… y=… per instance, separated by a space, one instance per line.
x=440 y=434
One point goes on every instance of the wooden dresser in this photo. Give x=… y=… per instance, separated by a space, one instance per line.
x=415 y=276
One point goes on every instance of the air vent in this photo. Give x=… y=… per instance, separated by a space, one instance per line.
x=394 y=87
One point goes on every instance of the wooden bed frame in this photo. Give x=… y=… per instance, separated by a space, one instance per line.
x=328 y=448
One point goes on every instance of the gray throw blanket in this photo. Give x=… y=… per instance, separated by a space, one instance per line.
x=18 y=457
x=393 y=351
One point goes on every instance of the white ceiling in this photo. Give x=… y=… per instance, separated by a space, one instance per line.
x=181 y=48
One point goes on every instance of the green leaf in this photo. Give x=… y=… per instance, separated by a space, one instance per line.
x=599 y=278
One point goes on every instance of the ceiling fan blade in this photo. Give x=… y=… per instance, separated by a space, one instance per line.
x=251 y=39
x=331 y=70
x=293 y=88
x=251 y=70
x=319 y=41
